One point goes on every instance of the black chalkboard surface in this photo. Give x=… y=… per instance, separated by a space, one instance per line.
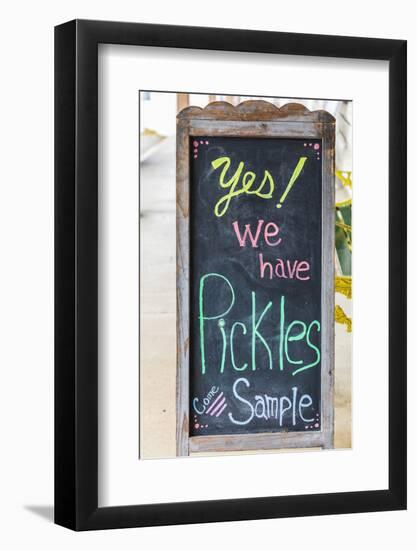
x=255 y=285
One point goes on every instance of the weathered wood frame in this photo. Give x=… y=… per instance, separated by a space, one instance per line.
x=254 y=119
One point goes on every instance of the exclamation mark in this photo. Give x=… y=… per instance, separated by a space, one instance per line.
x=295 y=174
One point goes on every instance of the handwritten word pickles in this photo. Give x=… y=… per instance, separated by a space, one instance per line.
x=233 y=335
x=247 y=182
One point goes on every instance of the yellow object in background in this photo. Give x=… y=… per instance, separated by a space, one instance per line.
x=341 y=317
x=343 y=285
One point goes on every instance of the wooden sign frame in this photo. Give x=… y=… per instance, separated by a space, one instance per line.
x=254 y=119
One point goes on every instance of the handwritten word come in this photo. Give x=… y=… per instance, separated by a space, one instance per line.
x=201 y=408
x=246 y=182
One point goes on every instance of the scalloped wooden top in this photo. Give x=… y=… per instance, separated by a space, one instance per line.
x=255 y=110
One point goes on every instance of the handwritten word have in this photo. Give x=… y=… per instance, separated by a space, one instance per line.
x=247 y=182
x=288 y=269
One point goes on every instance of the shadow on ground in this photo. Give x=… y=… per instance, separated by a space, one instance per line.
x=45 y=512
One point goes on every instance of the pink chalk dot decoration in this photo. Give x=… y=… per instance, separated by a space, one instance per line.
x=316 y=146
x=195 y=156
x=195 y=143
x=316 y=425
x=197 y=426
x=207 y=142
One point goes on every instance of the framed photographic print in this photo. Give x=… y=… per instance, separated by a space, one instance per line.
x=230 y=275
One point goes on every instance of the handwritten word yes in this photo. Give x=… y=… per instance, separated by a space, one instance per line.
x=245 y=182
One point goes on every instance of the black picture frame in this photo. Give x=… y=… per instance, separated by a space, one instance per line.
x=76 y=272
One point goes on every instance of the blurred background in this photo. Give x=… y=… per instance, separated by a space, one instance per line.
x=157 y=146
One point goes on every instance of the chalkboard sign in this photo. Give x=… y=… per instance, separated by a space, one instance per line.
x=258 y=289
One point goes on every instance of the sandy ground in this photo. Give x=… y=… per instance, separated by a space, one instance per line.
x=158 y=317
